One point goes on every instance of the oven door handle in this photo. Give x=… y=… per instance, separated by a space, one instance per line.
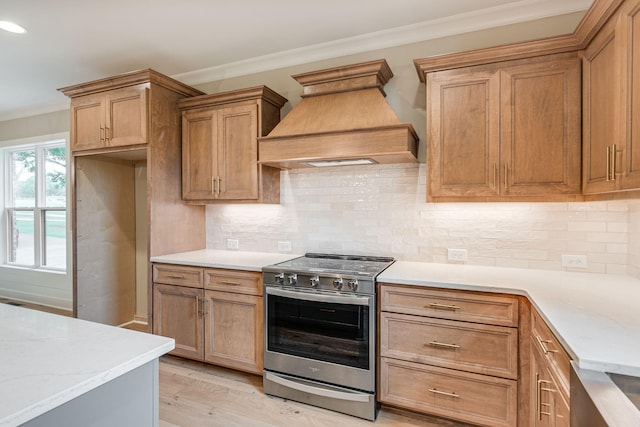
x=307 y=296
x=318 y=391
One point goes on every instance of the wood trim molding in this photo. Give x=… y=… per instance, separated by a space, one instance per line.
x=597 y=15
x=130 y=79
x=234 y=96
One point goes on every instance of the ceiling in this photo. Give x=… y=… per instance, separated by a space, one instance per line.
x=195 y=41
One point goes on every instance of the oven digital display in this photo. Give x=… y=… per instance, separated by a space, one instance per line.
x=329 y=332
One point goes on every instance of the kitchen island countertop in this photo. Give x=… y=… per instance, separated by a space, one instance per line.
x=47 y=360
x=595 y=316
x=216 y=258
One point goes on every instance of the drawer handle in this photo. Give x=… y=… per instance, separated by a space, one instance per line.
x=444 y=393
x=443 y=345
x=544 y=347
x=443 y=306
x=174 y=276
x=230 y=283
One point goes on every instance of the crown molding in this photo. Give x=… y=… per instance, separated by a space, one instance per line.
x=512 y=13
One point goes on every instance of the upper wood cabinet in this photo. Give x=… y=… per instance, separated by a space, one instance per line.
x=505 y=131
x=109 y=119
x=611 y=102
x=115 y=112
x=220 y=146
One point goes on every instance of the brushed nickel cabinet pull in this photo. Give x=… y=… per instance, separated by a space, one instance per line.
x=219 y=184
x=443 y=345
x=107 y=135
x=438 y=306
x=198 y=311
x=495 y=175
x=213 y=185
x=543 y=345
x=101 y=134
x=613 y=162
x=444 y=393
x=174 y=276
x=608 y=164
x=539 y=390
x=506 y=174
x=230 y=283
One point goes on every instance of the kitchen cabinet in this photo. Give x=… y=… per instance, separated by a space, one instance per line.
x=214 y=315
x=125 y=192
x=178 y=314
x=450 y=353
x=220 y=146
x=505 y=131
x=611 y=143
x=113 y=118
x=549 y=377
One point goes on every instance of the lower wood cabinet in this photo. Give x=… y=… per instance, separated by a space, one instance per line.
x=550 y=371
x=474 y=398
x=214 y=315
x=233 y=330
x=177 y=313
x=449 y=353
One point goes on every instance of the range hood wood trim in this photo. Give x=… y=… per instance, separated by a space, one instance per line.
x=346 y=78
x=343 y=115
x=384 y=145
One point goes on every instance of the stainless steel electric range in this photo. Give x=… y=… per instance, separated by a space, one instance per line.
x=320 y=331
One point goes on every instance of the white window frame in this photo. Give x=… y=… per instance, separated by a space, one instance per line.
x=39 y=210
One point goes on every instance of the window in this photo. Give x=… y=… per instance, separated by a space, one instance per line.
x=36 y=184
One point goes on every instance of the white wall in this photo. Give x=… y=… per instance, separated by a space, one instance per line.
x=382 y=210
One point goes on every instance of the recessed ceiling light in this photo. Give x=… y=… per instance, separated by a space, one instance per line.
x=11 y=27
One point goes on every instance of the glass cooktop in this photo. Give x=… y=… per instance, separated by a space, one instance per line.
x=336 y=264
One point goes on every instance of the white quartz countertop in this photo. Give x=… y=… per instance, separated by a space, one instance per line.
x=595 y=316
x=47 y=360
x=214 y=258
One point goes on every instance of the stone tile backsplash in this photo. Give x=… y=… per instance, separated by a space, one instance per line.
x=382 y=210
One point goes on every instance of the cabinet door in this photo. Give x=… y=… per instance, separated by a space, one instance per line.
x=87 y=122
x=602 y=110
x=177 y=314
x=540 y=116
x=629 y=156
x=126 y=120
x=233 y=331
x=550 y=406
x=238 y=153
x=541 y=401
x=199 y=155
x=463 y=133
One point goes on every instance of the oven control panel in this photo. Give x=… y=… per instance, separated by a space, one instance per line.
x=334 y=283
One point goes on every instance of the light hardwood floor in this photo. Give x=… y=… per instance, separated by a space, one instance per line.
x=194 y=394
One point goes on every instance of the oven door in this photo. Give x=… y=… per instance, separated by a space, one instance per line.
x=326 y=337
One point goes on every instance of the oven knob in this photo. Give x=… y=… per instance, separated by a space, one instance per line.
x=313 y=281
x=279 y=278
x=293 y=279
x=353 y=284
x=337 y=283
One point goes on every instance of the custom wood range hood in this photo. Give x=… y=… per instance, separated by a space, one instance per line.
x=342 y=119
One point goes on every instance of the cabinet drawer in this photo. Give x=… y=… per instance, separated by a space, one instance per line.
x=455 y=305
x=177 y=275
x=483 y=349
x=241 y=282
x=548 y=344
x=464 y=396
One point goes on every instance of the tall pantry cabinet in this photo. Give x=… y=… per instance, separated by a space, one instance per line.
x=126 y=193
